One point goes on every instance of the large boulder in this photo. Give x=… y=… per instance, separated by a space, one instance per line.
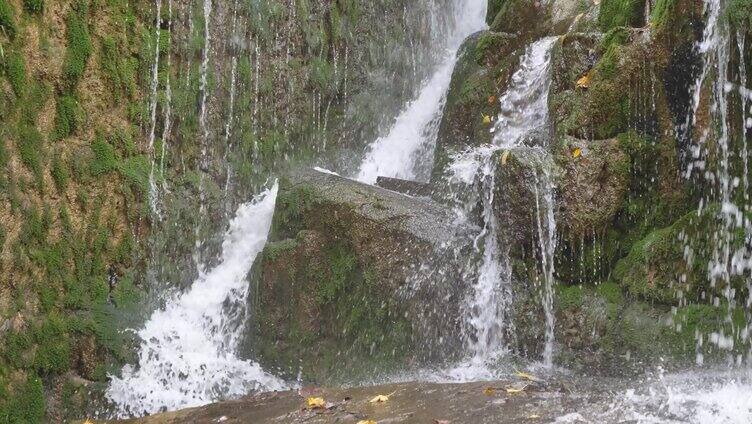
x=352 y=279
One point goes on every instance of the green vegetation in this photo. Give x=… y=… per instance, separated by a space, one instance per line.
x=616 y=13
x=661 y=13
x=79 y=44
x=739 y=13
x=7 y=20
x=68 y=116
x=15 y=71
x=34 y=6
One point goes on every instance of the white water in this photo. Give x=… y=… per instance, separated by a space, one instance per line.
x=547 y=240
x=715 y=397
x=394 y=155
x=488 y=305
x=187 y=353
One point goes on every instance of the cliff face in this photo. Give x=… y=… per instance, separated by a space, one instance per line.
x=129 y=130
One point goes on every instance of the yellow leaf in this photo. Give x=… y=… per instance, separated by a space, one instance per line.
x=525 y=376
x=486 y=119
x=513 y=390
x=315 y=402
x=489 y=391
x=584 y=82
x=88 y=421
x=534 y=416
x=379 y=399
x=367 y=422
x=576 y=153
x=505 y=157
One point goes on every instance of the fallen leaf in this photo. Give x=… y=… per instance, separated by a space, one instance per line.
x=505 y=157
x=489 y=391
x=491 y=100
x=513 y=390
x=379 y=399
x=584 y=82
x=486 y=119
x=440 y=421
x=315 y=402
x=88 y=421
x=367 y=422
x=533 y=417
x=576 y=153
x=525 y=376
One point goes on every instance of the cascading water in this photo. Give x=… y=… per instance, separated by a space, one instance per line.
x=524 y=111
x=394 y=155
x=187 y=353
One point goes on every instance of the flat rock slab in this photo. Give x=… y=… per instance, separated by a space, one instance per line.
x=478 y=403
x=420 y=217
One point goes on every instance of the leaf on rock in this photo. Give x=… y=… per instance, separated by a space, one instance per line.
x=584 y=82
x=576 y=153
x=315 y=402
x=379 y=399
x=489 y=391
x=486 y=119
x=505 y=157
x=367 y=422
x=526 y=376
x=514 y=390
x=440 y=421
x=491 y=100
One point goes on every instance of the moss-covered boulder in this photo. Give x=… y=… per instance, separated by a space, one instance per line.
x=594 y=184
x=486 y=61
x=338 y=289
x=675 y=263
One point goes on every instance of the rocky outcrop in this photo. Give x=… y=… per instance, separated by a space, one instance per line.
x=339 y=289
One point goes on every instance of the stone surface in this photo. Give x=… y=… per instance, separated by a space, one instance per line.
x=351 y=279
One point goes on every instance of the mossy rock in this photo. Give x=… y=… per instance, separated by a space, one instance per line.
x=486 y=61
x=671 y=263
x=619 y=13
x=330 y=283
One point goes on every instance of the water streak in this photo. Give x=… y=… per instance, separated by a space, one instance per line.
x=394 y=155
x=187 y=354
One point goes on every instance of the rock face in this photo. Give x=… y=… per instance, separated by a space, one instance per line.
x=339 y=285
x=630 y=244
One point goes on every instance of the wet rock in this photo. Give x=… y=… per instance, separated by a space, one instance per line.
x=594 y=183
x=412 y=188
x=486 y=61
x=339 y=287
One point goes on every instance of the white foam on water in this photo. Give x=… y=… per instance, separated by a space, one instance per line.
x=697 y=398
x=394 y=155
x=188 y=349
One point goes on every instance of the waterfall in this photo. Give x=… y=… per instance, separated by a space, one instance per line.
x=416 y=127
x=546 y=222
x=153 y=192
x=187 y=353
x=524 y=112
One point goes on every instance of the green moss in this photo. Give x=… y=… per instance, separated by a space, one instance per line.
x=68 y=116
x=611 y=292
x=7 y=20
x=34 y=6
x=739 y=13
x=60 y=173
x=53 y=354
x=27 y=405
x=15 y=71
x=616 y=13
x=79 y=44
x=135 y=170
x=105 y=159
x=341 y=265
x=273 y=250
x=488 y=43
x=118 y=68
x=661 y=13
x=291 y=204
x=569 y=297
x=494 y=7
x=30 y=145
